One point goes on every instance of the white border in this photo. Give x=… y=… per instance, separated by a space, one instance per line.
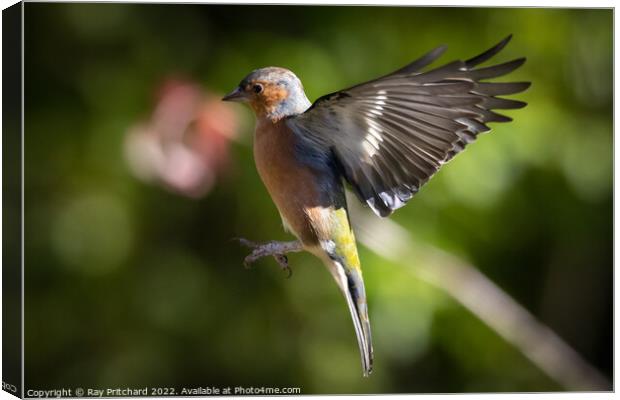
x=462 y=3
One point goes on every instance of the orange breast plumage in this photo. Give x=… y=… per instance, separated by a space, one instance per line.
x=293 y=187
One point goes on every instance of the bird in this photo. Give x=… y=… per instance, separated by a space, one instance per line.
x=384 y=139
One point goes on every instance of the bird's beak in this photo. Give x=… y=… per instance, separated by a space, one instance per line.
x=238 y=95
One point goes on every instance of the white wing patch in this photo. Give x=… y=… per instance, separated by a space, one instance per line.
x=373 y=137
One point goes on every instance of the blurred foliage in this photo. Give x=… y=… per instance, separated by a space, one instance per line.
x=127 y=284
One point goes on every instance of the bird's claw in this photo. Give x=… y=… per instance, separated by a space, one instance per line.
x=283 y=261
x=260 y=250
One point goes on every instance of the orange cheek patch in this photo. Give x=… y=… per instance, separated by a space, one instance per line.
x=269 y=99
x=273 y=94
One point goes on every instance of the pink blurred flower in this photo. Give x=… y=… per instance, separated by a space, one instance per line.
x=185 y=144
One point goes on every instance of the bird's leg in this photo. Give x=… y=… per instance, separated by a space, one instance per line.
x=276 y=249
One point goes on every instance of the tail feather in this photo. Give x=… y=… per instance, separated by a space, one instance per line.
x=351 y=285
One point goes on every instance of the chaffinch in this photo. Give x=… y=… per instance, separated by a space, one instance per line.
x=385 y=137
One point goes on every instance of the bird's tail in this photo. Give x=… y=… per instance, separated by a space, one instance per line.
x=351 y=284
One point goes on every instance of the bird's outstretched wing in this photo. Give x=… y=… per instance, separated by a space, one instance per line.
x=390 y=135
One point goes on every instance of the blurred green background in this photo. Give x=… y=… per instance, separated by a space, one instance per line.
x=129 y=284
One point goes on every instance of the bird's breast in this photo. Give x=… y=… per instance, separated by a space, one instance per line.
x=297 y=191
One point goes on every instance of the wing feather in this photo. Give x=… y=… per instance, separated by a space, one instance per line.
x=390 y=135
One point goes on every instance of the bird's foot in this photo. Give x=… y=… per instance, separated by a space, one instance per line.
x=275 y=249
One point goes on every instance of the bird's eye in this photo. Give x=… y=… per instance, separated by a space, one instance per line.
x=257 y=88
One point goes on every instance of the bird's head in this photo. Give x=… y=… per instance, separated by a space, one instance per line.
x=272 y=92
